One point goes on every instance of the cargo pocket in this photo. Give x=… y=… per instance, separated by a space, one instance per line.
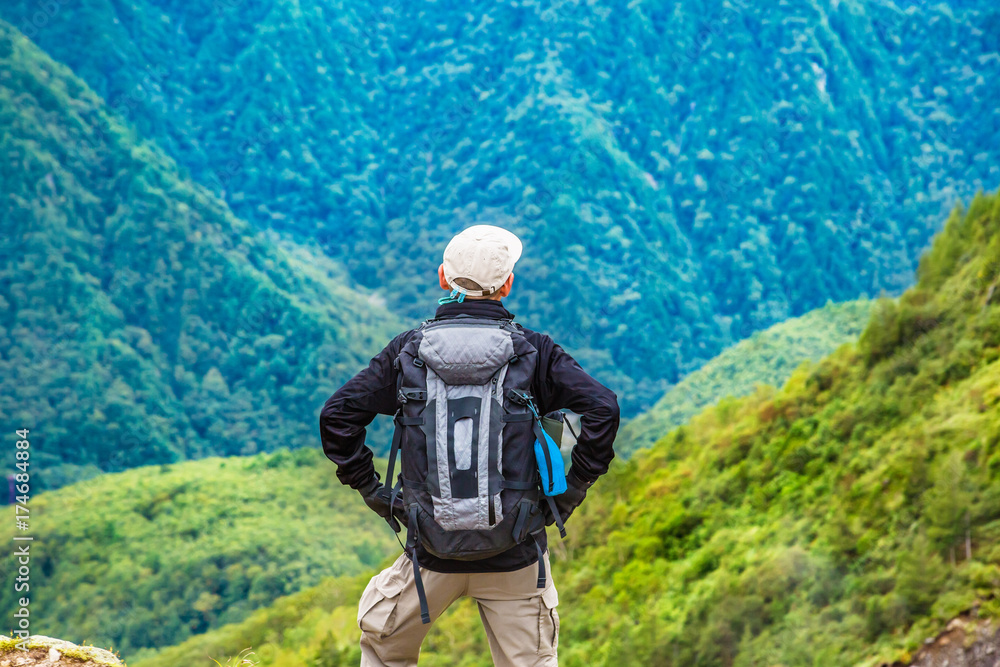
x=377 y=608
x=548 y=622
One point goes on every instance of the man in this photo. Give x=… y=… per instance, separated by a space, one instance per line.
x=515 y=596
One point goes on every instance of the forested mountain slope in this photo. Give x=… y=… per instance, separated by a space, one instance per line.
x=249 y=531
x=151 y=556
x=682 y=173
x=768 y=357
x=140 y=321
x=840 y=520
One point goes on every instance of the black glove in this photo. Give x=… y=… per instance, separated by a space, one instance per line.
x=378 y=500
x=378 y=503
x=569 y=500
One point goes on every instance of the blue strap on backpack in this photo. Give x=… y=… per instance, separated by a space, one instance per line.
x=551 y=470
x=549 y=458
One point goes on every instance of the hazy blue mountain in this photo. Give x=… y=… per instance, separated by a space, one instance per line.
x=766 y=358
x=683 y=173
x=141 y=322
x=840 y=520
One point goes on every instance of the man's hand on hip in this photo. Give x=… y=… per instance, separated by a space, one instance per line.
x=569 y=500
x=376 y=499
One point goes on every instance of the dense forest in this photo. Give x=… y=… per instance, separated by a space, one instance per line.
x=768 y=357
x=200 y=544
x=151 y=556
x=215 y=211
x=140 y=321
x=840 y=520
x=683 y=174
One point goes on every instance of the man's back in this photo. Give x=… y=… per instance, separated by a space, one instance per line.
x=516 y=597
x=559 y=383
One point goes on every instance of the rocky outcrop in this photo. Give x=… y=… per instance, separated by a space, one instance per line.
x=967 y=642
x=48 y=652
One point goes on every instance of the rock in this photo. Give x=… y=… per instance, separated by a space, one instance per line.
x=50 y=652
x=966 y=642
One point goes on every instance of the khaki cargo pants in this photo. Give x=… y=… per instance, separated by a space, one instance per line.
x=520 y=619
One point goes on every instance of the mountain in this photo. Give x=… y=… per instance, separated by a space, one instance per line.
x=152 y=556
x=682 y=174
x=255 y=529
x=840 y=520
x=768 y=357
x=271 y=525
x=141 y=322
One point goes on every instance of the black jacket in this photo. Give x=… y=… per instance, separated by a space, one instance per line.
x=559 y=383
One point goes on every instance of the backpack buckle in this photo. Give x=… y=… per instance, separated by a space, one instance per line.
x=406 y=395
x=519 y=397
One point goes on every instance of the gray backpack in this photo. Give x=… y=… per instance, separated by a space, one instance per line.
x=466 y=429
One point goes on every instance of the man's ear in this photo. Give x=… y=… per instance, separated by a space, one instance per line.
x=441 y=280
x=505 y=288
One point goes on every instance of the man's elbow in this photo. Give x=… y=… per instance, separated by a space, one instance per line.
x=330 y=415
x=605 y=417
x=325 y=414
x=609 y=410
x=612 y=419
x=601 y=423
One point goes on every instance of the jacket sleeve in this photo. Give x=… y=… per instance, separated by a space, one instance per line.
x=353 y=407
x=562 y=383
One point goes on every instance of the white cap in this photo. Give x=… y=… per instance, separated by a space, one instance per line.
x=484 y=254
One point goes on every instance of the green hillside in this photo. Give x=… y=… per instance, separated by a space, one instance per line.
x=766 y=358
x=840 y=520
x=152 y=556
x=270 y=526
x=824 y=523
x=140 y=321
x=682 y=174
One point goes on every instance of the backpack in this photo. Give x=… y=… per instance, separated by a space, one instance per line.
x=466 y=429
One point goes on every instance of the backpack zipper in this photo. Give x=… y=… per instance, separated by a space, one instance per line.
x=493 y=512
